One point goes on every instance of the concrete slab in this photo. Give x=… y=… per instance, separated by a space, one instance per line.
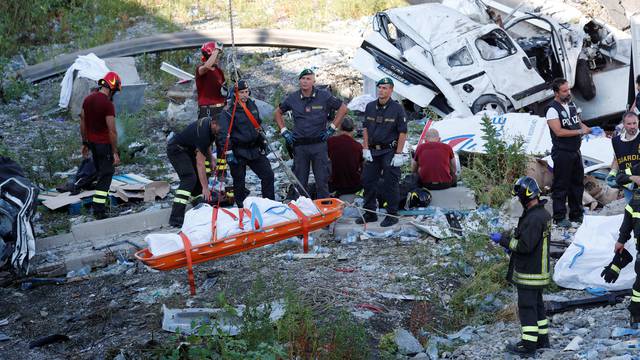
x=457 y=198
x=121 y=225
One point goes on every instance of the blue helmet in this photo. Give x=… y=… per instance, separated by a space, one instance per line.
x=526 y=189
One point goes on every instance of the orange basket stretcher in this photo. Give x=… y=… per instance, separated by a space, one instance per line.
x=330 y=210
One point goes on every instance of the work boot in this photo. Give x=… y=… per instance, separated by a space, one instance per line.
x=543 y=342
x=576 y=222
x=389 y=221
x=177 y=215
x=368 y=217
x=523 y=348
x=564 y=223
x=99 y=211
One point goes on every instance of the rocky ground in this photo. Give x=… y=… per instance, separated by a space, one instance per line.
x=116 y=311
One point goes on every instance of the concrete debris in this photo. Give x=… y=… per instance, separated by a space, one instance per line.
x=407 y=343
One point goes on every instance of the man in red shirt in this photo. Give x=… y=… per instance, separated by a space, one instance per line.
x=434 y=162
x=346 y=161
x=209 y=82
x=98 y=131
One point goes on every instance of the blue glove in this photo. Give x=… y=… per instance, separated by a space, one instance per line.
x=496 y=237
x=597 y=131
x=325 y=135
x=288 y=136
x=611 y=179
x=231 y=159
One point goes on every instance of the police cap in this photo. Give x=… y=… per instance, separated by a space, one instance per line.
x=385 y=81
x=305 y=72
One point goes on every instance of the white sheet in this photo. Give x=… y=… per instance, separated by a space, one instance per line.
x=89 y=66
x=197 y=222
x=592 y=249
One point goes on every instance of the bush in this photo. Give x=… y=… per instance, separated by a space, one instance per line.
x=491 y=175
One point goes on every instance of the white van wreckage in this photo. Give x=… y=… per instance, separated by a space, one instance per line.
x=464 y=63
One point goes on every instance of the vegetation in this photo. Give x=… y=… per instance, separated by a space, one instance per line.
x=491 y=175
x=298 y=334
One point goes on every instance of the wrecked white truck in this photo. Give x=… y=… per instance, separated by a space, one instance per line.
x=466 y=63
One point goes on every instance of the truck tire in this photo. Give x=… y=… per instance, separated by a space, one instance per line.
x=488 y=102
x=584 y=80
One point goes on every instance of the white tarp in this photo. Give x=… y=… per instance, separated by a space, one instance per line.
x=465 y=134
x=88 y=66
x=197 y=222
x=592 y=249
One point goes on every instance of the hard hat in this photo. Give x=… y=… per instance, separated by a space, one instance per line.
x=526 y=189
x=112 y=81
x=208 y=48
x=419 y=197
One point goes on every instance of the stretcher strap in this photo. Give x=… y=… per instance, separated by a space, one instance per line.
x=256 y=218
x=214 y=223
x=232 y=215
x=187 y=251
x=305 y=226
x=242 y=211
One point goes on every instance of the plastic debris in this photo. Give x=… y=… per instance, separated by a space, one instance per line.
x=574 y=345
x=83 y=271
x=619 y=331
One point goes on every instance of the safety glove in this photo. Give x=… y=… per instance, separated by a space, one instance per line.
x=231 y=159
x=288 y=136
x=327 y=133
x=597 y=131
x=612 y=271
x=397 y=161
x=611 y=178
x=366 y=155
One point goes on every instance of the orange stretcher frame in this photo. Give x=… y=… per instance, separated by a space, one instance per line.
x=330 y=210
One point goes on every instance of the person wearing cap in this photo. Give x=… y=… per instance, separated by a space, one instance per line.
x=209 y=82
x=346 y=161
x=310 y=108
x=385 y=131
x=246 y=146
x=99 y=135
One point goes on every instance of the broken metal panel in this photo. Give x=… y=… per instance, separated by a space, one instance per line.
x=177 y=72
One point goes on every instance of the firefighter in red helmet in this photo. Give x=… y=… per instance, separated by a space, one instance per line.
x=98 y=131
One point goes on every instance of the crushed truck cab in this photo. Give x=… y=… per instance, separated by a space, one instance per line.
x=467 y=63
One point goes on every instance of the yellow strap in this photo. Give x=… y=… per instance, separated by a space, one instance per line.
x=615 y=268
x=544 y=331
x=543 y=322
x=180 y=201
x=183 y=192
x=98 y=200
x=529 y=329
x=529 y=338
x=102 y=193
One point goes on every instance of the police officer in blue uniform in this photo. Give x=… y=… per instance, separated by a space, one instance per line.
x=566 y=130
x=385 y=131
x=310 y=108
x=246 y=146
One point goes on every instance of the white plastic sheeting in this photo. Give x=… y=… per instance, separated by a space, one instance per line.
x=592 y=249
x=465 y=134
x=197 y=222
x=88 y=66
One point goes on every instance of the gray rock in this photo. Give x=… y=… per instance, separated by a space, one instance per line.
x=407 y=344
x=421 y=356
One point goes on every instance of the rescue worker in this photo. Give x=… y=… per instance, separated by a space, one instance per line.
x=187 y=152
x=385 y=131
x=566 y=130
x=99 y=134
x=310 y=108
x=209 y=85
x=630 y=222
x=529 y=265
x=246 y=146
x=626 y=148
x=345 y=155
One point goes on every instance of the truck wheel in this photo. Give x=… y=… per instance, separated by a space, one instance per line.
x=488 y=103
x=584 y=80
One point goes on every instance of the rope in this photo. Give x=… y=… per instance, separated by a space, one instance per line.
x=233 y=44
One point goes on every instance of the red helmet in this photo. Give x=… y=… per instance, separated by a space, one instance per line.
x=208 y=48
x=112 y=81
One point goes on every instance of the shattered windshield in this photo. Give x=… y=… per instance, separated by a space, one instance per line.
x=495 y=45
x=461 y=57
